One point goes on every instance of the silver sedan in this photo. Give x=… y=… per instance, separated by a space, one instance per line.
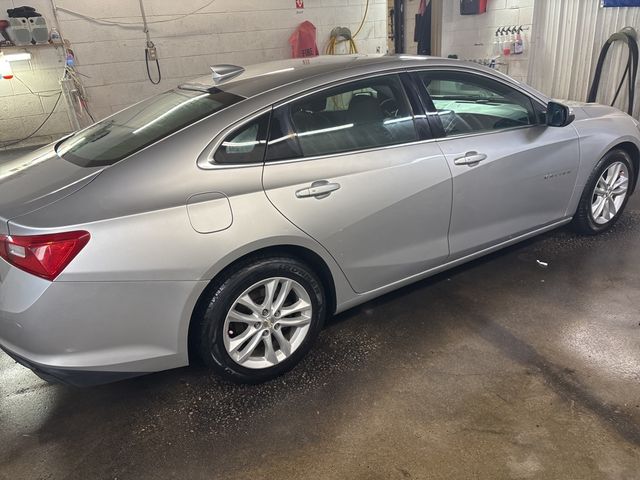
x=224 y=220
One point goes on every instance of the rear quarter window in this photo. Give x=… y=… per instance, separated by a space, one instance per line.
x=246 y=144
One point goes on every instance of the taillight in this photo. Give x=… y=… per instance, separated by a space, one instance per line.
x=43 y=255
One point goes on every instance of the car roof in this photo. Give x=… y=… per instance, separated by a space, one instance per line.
x=287 y=77
x=262 y=77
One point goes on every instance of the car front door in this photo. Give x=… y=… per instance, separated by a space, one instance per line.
x=511 y=173
x=348 y=166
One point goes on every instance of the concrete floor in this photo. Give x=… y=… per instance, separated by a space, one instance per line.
x=497 y=370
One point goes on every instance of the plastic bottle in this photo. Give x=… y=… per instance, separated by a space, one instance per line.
x=506 y=43
x=55 y=37
x=512 y=40
x=519 y=46
x=497 y=45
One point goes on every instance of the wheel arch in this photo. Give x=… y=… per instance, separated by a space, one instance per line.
x=303 y=254
x=634 y=152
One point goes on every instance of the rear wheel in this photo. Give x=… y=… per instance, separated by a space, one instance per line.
x=606 y=194
x=262 y=319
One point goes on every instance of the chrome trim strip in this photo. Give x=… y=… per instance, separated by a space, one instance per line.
x=213 y=166
x=207 y=162
x=489 y=132
x=218 y=166
x=350 y=152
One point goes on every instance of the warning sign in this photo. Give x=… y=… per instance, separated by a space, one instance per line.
x=299 y=4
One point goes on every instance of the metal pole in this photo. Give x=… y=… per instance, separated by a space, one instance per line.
x=68 y=91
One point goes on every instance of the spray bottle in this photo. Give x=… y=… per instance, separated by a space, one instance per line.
x=519 y=45
x=506 y=44
x=497 y=44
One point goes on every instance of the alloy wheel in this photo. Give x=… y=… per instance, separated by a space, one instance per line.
x=267 y=323
x=610 y=193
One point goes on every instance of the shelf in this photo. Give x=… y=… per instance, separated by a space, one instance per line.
x=22 y=47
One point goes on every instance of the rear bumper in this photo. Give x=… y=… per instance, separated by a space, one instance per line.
x=76 y=378
x=85 y=333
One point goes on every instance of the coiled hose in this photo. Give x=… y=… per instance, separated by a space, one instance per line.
x=340 y=35
x=629 y=36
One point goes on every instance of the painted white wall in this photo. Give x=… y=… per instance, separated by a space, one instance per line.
x=472 y=37
x=226 y=31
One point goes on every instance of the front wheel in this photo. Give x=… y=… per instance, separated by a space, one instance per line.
x=606 y=194
x=262 y=319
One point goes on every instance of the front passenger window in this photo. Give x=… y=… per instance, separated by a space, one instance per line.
x=468 y=103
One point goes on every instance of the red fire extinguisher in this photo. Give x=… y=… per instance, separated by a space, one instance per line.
x=473 y=7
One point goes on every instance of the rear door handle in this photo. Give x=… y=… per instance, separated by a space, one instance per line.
x=470 y=158
x=319 y=189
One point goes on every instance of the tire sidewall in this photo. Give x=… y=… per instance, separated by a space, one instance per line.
x=587 y=198
x=212 y=349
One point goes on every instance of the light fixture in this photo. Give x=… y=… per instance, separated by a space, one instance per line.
x=5 y=68
x=16 y=57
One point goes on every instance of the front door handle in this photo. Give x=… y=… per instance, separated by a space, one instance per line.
x=319 y=189
x=470 y=158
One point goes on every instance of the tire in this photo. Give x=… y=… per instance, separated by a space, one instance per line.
x=585 y=222
x=218 y=333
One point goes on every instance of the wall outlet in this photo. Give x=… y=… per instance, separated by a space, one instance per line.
x=152 y=54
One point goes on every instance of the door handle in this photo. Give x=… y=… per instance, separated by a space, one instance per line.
x=319 y=189
x=470 y=158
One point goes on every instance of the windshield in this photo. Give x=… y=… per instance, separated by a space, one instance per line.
x=140 y=125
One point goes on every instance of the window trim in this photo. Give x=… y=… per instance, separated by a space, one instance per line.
x=204 y=165
x=259 y=121
x=480 y=73
x=343 y=81
x=424 y=129
x=350 y=152
x=399 y=73
x=436 y=126
x=206 y=160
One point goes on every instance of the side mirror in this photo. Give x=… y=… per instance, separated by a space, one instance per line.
x=559 y=115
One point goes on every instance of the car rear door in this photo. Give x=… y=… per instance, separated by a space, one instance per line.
x=351 y=166
x=511 y=172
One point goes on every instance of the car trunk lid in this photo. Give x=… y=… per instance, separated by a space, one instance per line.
x=36 y=180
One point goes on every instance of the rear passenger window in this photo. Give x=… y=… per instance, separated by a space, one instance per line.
x=359 y=115
x=246 y=144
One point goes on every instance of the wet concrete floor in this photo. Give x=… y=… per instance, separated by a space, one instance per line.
x=499 y=369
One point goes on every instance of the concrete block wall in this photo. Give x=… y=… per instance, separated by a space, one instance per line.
x=27 y=99
x=472 y=36
x=225 y=31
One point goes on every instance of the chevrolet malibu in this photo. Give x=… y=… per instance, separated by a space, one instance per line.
x=224 y=220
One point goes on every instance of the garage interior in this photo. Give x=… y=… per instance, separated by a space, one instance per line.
x=524 y=364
